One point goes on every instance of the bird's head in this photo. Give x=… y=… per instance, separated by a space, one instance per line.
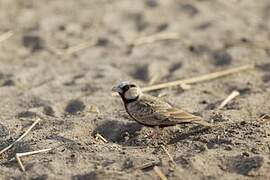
x=128 y=91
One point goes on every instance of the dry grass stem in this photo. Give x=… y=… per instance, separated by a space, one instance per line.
x=6 y=35
x=75 y=48
x=207 y=77
x=266 y=133
x=185 y=86
x=33 y=152
x=147 y=165
x=99 y=136
x=21 y=137
x=20 y=163
x=160 y=173
x=153 y=79
x=169 y=155
x=154 y=38
x=162 y=94
x=201 y=78
x=19 y=155
x=264 y=117
x=228 y=99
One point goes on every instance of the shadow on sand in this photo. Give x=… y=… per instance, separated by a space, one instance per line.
x=116 y=131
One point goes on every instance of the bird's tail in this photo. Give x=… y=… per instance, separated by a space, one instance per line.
x=203 y=123
x=196 y=120
x=184 y=117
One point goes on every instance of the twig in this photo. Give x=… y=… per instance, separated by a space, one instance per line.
x=113 y=172
x=147 y=165
x=185 y=86
x=20 y=162
x=265 y=116
x=169 y=155
x=202 y=78
x=33 y=152
x=21 y=137
x=153 y=79
x=162 y=94
x=6 y=35
x=159 y=173
x=99 y=136
x=154 y=38
x=19 y=155
x=266 y=132
x=75 y=48
x=228 y=99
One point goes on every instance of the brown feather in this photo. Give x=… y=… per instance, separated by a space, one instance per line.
x=152 y=111
x=184 y=117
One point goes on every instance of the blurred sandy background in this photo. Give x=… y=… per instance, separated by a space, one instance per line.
x=60 y=58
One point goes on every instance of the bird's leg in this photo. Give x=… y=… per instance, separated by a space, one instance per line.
x=156 y=133
x=157 y=129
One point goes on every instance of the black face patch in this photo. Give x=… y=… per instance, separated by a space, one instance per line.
x=127 y=87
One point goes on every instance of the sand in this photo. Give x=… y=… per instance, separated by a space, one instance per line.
x=63 y=58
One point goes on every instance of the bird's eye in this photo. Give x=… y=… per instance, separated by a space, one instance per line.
x=125 y=88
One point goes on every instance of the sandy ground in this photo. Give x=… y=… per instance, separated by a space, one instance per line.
x=40 y=75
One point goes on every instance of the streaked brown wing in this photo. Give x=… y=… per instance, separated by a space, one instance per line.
x=152 y=111
x=149 y=110
x=180 y=116
x=168 y=115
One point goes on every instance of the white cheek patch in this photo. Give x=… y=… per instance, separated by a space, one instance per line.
x=133 y=93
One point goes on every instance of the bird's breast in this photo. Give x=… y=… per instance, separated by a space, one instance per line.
x=141 y=113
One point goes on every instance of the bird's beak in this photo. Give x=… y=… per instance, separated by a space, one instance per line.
x=117 y=89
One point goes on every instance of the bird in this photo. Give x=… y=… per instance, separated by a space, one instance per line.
x=151 y=111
